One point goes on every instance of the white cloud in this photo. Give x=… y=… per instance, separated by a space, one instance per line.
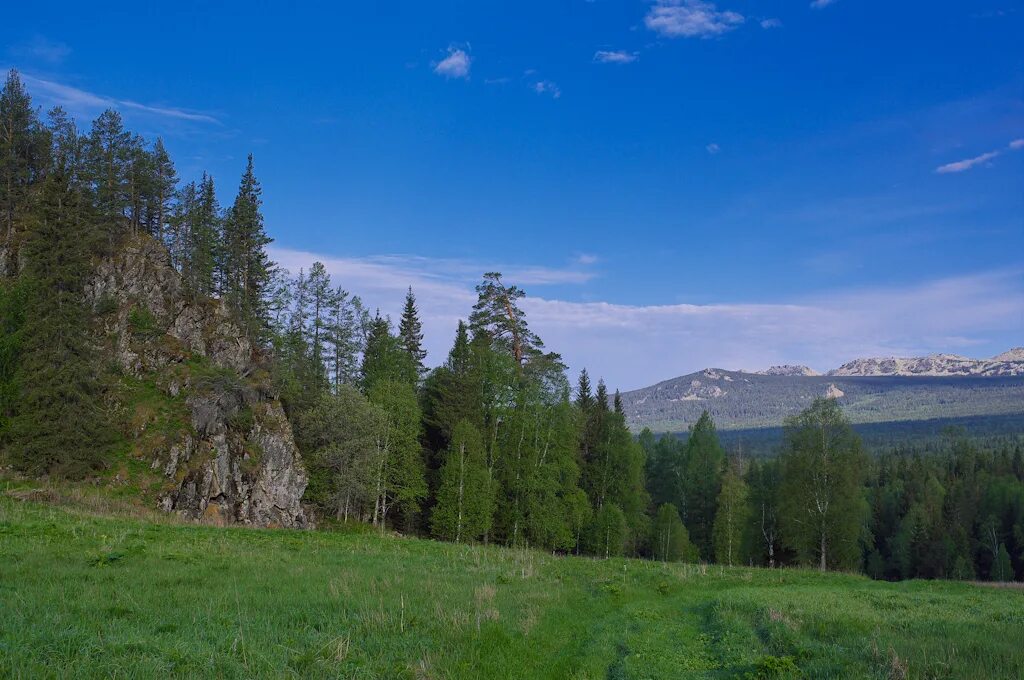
x=771 y=23
x=82 y=102
x=587 y=259
x=712 y=148
x=42 y=49
x=820 y=4
x=455 y=65
x=547 y=87
x=636 y=345
x=967 y=163
x=633 y=346
x=690 y=19
x=615 y=57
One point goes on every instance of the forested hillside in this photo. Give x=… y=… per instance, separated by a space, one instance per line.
x=149 y=347
x=747 y=400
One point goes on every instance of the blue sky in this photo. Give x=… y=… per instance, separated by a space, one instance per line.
x=677 y=184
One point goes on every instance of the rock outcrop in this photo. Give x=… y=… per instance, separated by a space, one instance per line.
x=209 y=424
x=788 y=369
x=1009 y=363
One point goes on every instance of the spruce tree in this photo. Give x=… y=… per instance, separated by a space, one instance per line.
x=704 y=458
x=107 y=168
x=584 y=399
x=23 y=153
x=140 y=183
x=385 y=358
x=204 y=248
x=410 y=329
x=161 y=198
x=246 y=269
x=454 y=392
x=58 y=425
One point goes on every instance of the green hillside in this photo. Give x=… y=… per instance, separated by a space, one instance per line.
x=739 y=400
x=94 y=596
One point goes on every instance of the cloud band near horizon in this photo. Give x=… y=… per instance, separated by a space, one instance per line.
x=633 y=346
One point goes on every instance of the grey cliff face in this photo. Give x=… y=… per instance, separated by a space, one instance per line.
x=234 y=459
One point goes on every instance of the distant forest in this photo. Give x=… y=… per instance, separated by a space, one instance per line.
x=493 y=445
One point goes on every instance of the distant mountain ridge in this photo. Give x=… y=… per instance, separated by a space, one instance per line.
x=872 y=390
x=1008 y=363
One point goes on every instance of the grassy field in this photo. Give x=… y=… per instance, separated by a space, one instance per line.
x=86 y=595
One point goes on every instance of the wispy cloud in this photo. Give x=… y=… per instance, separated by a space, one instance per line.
x=80 y=101
x=455 y=65
x=615 y=57
x=690 y=19
x=41 y=48
x=712 y=148
x=968 y=163
x=636 y=345
x=821 y=4
x=771 y=23
x=587 y=259
x=547 y=87
x=443 y=286
x=632 y=346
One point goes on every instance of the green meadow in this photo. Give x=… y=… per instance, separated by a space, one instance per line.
x=86 y=594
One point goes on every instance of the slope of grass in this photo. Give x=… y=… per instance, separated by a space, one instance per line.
x=93 y=596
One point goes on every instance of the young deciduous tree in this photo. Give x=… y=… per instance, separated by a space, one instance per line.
x=338 y=437
x=731 y=518
x=398 y=477
x=607 y=534
x=669 y=540
x=823 y=509
x=465 y=499
x=763 y=482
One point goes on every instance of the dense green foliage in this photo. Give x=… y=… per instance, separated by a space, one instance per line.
x=68 y=199
x=491 y=446
x=87 y=596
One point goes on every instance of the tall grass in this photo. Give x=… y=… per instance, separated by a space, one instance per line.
x=87 y=595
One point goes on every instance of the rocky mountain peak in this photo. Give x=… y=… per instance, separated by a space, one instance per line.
x=788 y=369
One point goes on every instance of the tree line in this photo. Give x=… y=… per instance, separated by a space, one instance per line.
x=493 y=444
